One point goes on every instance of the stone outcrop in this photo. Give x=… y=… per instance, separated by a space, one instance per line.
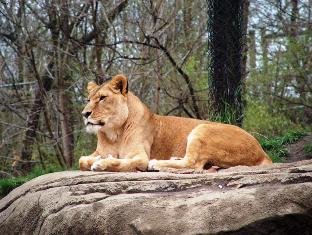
x=240 y=200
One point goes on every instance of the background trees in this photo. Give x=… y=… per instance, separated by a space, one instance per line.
x=279 y=83
x=50 y=49
x=227 y=26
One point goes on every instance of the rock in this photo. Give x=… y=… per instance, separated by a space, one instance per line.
x=239 y=200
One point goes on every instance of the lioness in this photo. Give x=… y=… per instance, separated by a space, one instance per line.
x=129 y=135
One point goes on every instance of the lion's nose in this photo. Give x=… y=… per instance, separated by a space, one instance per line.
x=86 y=114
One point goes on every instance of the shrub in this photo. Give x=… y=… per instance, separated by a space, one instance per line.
x=259 y=119
x=275 y=146
x=8 y=184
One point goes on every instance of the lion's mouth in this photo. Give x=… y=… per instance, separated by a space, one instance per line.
x=95 y=124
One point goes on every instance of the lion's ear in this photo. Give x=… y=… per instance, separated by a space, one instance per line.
x=120 y=83
x=91 y=86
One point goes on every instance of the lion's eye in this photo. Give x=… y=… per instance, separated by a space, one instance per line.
x=102 y=97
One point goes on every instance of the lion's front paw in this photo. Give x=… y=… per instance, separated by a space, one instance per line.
x=98 y=157
x=152 y=165
x=99 y=165
x=109 y=156
x=85 y=163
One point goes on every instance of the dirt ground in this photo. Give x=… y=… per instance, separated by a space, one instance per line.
x=296 y=151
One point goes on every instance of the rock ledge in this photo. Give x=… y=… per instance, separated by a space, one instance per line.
x=240 y=200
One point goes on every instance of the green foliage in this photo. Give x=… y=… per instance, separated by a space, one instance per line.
x=8 y=184
x=275 y=146
x=192 y=68
x=85 y=145
x=259 y=119
x=228 y=116
x=281 y=86
x=308 y=148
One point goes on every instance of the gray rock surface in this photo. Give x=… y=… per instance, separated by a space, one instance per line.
x=240 y=200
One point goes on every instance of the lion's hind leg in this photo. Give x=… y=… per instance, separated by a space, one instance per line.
x=177 y=164
x=191 y=160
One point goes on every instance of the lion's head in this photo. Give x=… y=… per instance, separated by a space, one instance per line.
x=107 y=108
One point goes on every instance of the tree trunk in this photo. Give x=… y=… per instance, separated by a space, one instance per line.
x=227 y=38
x=244 y=54
x=66 y=111
x=252 y=51
x=265 y=63
x=32 y=123
x=187 y=22
x=158 y=71
x=65 y=104
x=252 y=61
x=293 y=18
x=98 y=49
x=20 y=41
x=31 y=127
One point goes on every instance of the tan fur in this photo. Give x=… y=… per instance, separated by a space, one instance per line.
x=129 y=135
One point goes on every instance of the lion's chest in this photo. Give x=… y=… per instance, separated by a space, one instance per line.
x=116 y=149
